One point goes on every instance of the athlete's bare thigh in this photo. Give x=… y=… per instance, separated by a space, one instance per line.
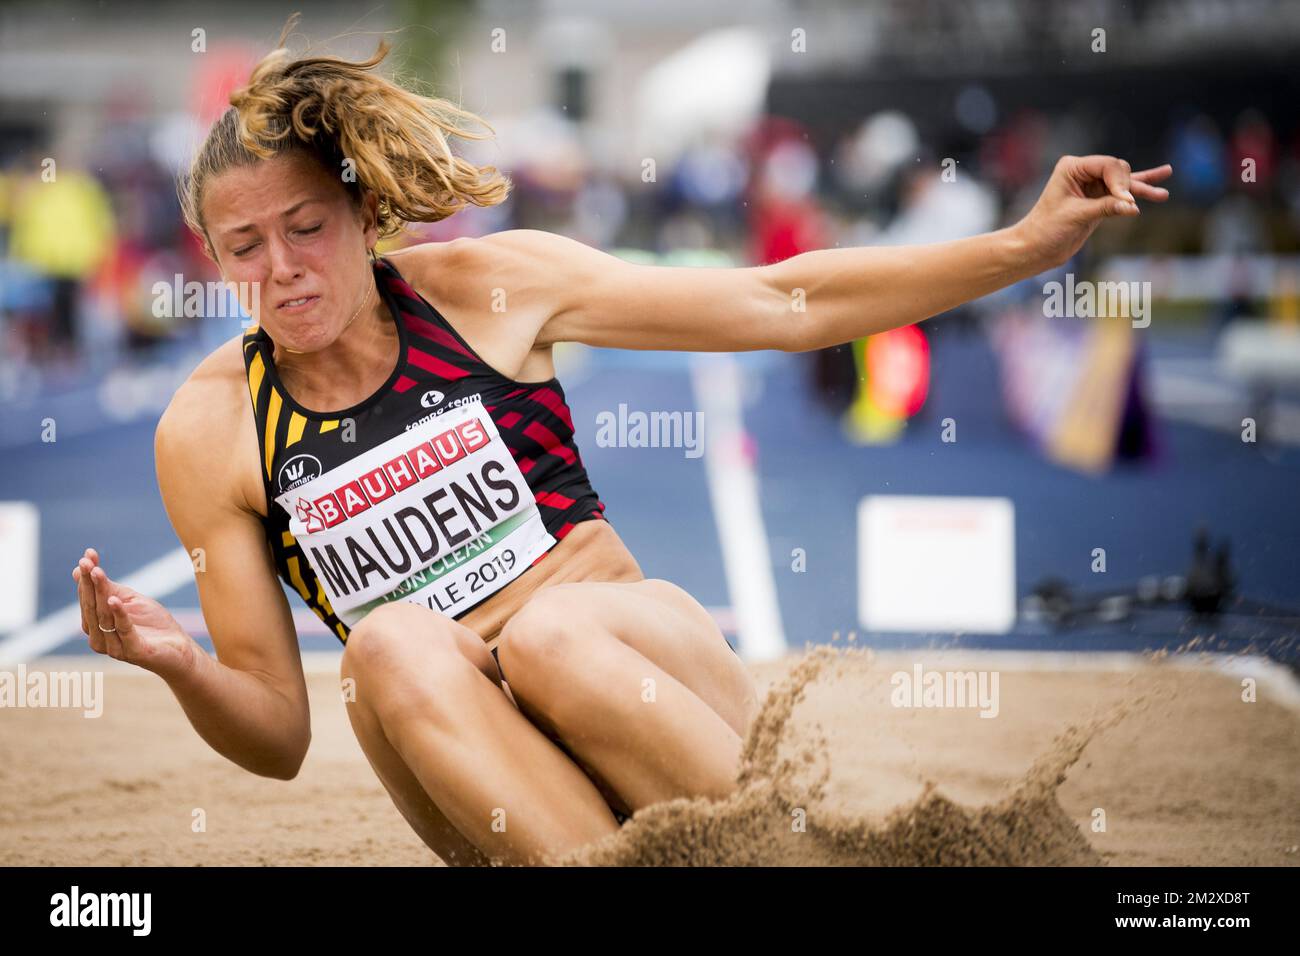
x=655 y=617
x=665 y=624
x=443 y=636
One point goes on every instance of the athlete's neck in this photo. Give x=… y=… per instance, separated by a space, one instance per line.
x=348 y=370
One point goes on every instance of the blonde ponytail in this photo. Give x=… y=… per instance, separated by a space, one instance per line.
x=362 y=127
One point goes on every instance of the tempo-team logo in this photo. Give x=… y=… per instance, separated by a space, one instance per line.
x=298 y=470
x=425 y=459
x=431 y=398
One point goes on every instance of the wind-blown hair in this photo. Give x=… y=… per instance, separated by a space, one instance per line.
x=373 y=134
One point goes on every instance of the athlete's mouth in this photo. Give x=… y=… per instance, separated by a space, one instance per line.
x=298 y=304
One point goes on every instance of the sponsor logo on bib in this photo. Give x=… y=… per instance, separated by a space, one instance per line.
x=298 y=470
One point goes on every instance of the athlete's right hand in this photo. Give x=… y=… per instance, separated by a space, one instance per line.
x=146 y=633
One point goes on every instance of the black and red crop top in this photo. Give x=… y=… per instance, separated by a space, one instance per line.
x=439 y=489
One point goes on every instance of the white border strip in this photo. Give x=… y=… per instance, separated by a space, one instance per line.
x=733 y=491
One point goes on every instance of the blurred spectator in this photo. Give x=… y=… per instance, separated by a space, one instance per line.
x=64 y=230
x=1235 y=227
x=1012 y=156
x=1197 y=155
x=6 y=209
x=786 y=219
x=935 y=209
x=1252 y=141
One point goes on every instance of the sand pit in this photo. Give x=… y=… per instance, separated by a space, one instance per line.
x=1161 y=751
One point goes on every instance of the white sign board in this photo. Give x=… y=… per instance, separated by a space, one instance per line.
x=936 y=564
x=18 y=562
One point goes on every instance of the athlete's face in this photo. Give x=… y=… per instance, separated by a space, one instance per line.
x=291 y=228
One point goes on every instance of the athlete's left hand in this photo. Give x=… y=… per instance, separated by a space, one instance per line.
x=1082 y=191
x=128 y=626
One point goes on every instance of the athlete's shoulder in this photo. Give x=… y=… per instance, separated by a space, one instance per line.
x=427 y=256
x=209 y=403
x=221 y=374
x=420 y=264
x=448 y=268
x=536 y=247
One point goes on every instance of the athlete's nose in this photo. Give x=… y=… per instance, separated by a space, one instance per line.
x=285 y=268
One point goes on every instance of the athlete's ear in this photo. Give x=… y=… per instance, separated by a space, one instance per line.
x=370 y=217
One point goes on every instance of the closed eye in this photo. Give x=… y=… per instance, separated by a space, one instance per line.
x=310 y=230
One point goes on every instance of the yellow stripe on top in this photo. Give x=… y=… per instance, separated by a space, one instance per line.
x=296 y=577
x=321 y=599
x=296 y=424
x=294 y=569
x=255 y=372
x=272 y=419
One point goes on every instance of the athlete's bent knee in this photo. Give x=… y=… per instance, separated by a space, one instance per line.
x=542 y=632
x=405 y=638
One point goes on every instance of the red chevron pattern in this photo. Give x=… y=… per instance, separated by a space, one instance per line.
x=533 y=419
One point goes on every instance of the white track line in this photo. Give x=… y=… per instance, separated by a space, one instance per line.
x=156 y=579
x=733 y=491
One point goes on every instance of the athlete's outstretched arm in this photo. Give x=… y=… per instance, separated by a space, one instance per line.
x=572 y=292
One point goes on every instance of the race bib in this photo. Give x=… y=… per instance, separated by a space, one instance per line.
x=439 y=516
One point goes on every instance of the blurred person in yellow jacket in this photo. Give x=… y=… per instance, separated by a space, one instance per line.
x=63 y=228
